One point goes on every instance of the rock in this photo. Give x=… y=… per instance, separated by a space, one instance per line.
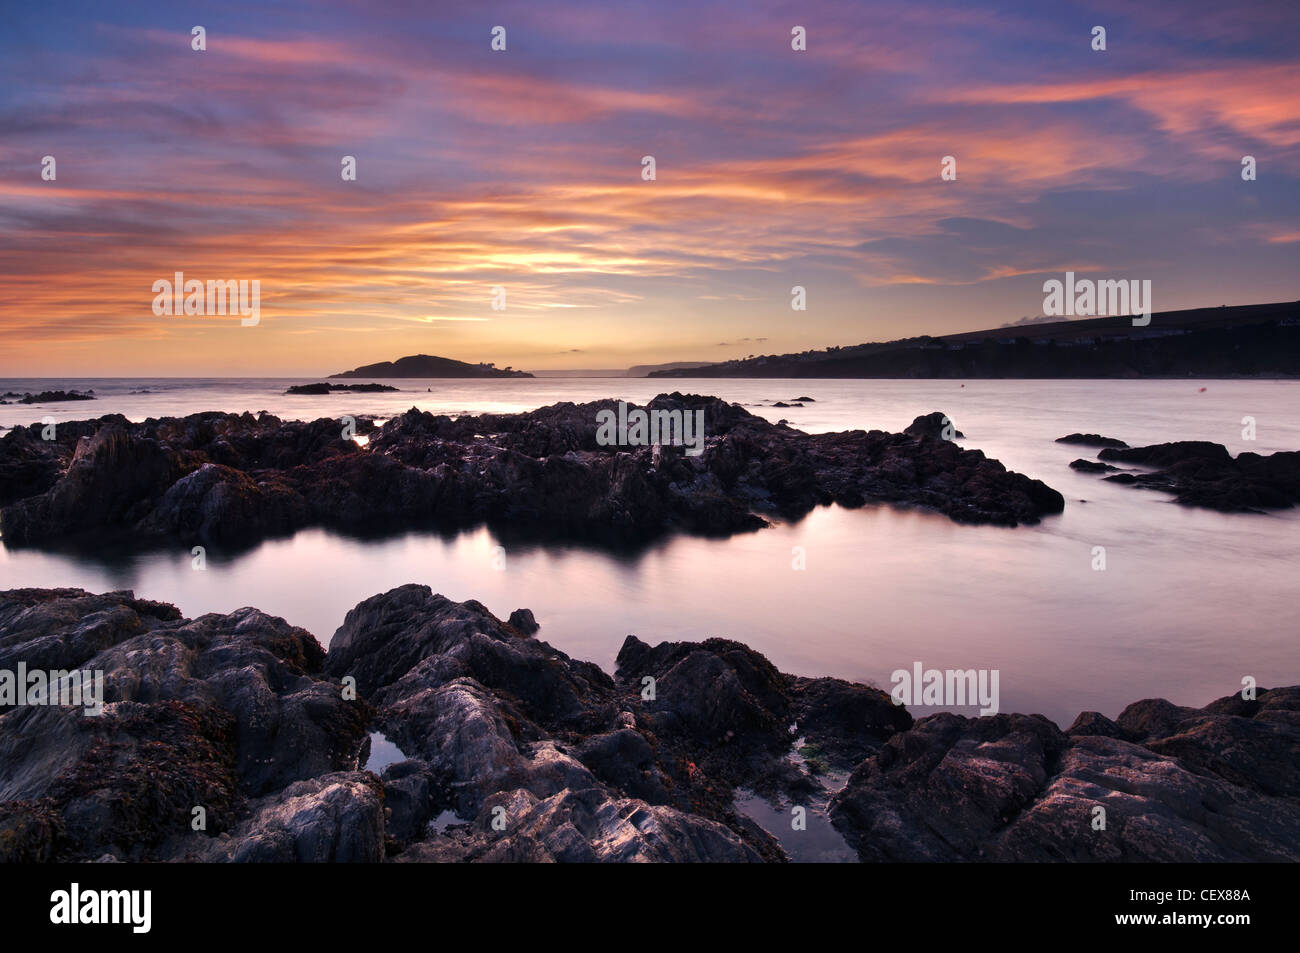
x=1091 y=440
x=522 y=619
x=587 y=826
x=1091 y=466
x=933 y=425
x=847 y=721
x=1204 y=474
x=109 y=481
x=803 y=400
x=409 y=800
x=541 y=757
x=206 y=713
x=1094 y=723
x=333 y=388
x=55 y=396
x=335 y=818
x=716 y=692
x=1177 y=785
x=30 y=465
x=226 y=477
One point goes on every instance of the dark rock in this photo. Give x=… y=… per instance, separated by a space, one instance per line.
x=545 y=758
x=205 y=713
x=1095 y=723
x=848 y=721
x=55 y=396
x=335 y=818
x=239 y=477
x=1091 y=466
x=522 y=619
x=1091 y=440
x=933 y=425
x=1206 y=475
x=1177 y=785
x=586 y=826
x=333 y=388
x=409 y=800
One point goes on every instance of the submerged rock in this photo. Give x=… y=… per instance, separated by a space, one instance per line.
x=1091 y=440
x=1091 y=466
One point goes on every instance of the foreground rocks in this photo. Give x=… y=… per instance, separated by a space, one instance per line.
x=226 y=477
x=1176 y=784
x=516 y=752
x=219 y=712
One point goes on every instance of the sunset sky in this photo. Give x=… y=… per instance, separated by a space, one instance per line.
x=523 y=169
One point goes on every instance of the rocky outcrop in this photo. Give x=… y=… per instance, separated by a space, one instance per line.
x=1204 y=474
x=211 y=477
x=48 y=397
x=318 y=389
x=516 y=752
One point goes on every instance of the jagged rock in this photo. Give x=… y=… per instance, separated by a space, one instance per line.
x=55 y=396
x=586 y=826
x=541 y=757
x=1177 y=785
x=1204 y=474
x=334 y=818
x=206 y=713
x=240 y=477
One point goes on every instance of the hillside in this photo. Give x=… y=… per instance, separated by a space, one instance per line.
x=1261 y=340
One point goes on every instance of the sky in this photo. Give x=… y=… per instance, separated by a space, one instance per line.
x=521 y=169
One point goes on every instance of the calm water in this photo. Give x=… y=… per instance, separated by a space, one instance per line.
x=1190 y=602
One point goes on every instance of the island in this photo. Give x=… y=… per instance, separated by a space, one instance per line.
x=426 y=365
